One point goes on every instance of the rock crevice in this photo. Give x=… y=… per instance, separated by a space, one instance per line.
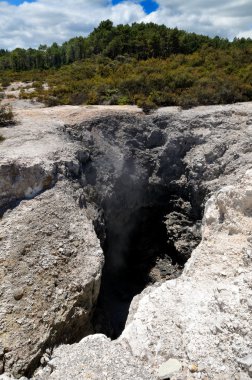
x=135 y=187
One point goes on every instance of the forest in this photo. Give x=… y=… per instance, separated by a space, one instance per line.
x=145 y=64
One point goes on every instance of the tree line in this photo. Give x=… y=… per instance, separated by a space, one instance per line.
x=140 y=41
x=145 y=64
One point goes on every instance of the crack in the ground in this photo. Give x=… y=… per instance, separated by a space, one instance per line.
x=140 y=249
x=147 y=219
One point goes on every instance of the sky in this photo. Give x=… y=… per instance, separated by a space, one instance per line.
x=33 y=22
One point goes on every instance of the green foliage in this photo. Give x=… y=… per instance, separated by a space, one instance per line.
x=50 y=101
x=141 y=41
x=5 y=82
x=147 y=105
x=145 y=64
x=6 y=116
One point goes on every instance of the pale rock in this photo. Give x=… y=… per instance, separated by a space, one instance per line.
x=190 y=317
x=199 y=317
x=18 y=294
x=246 y=361
x=169 y=368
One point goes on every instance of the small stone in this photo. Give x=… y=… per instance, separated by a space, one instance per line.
x=201 y=368
x=249 y=302
x=169 y=368
x=20 y=321
x=18 y=294
x=246 y=361
x=42 y=361
x=193 y=368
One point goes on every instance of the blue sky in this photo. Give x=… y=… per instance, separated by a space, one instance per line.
x=17 y=2
x=31 y=23
x=148 y=5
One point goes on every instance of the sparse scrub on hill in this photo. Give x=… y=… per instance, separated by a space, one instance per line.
x=157 y=82
x=145 y=64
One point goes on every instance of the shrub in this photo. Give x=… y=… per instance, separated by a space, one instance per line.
x=37 y=85
x=78 y=98
x=123 y=101
x=5 y=82
x=51 y=101
x=6 y=116
x=147 y=105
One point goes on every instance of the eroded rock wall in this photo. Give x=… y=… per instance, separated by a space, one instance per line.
x=51 y=259
x=111 y=169
x=202 y=319
x=51 y=265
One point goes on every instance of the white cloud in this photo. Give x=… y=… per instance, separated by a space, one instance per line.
x=227 y=18
x=245 y=34
x=46 y=21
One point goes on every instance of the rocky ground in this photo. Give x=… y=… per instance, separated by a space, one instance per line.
x=142 y=185
x=203 y=319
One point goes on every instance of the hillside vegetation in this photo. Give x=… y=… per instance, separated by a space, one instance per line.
x=145 y=64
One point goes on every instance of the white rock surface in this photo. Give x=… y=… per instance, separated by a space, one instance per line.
x=169 y=368
x=49 y=276
x=51 y=258
x=202 y=319
x=95 y=357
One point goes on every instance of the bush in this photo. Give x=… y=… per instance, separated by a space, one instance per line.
x=123 y=101
x=78 y=98
x=6 y=116
x=147 y=105
x=37 y=85
x=50 y=101
x=210 y=75
x=5 y=82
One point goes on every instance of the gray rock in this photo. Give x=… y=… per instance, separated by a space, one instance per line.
x=60 y=291
x=169 y=368
x=127 y=159
x=79 y=361
x=246 y=361
x=18 y=294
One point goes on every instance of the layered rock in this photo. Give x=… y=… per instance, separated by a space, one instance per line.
x=51 y=259
x=65 y=169
x=51 y=265
x=203 y=318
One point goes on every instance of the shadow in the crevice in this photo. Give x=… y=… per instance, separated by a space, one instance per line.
x=133 y=244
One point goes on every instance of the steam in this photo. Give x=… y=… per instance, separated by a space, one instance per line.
x=121 y=220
